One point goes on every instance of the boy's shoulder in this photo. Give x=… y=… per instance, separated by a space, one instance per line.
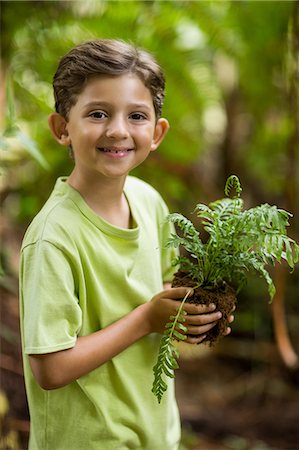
x=142 y=189
x=56 y=216
x=146 y=199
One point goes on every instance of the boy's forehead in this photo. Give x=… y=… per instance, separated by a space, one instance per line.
x=107 y=88
x=117 y=81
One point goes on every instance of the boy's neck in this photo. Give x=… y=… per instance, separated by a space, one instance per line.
x=105 y=197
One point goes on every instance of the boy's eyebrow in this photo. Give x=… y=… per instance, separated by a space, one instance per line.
x=99 y=103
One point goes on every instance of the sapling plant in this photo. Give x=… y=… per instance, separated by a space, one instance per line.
x=239 y=242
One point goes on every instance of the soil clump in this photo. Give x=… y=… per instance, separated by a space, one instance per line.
x=223 y=297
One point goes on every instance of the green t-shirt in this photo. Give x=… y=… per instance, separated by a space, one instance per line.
x=79 y=274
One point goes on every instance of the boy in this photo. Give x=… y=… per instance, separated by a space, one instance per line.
x=93 y=264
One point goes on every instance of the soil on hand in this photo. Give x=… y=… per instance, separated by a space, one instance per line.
x=224 y=298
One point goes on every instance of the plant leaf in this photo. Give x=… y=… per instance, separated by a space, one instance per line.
x=168 y=353
x=233 y=183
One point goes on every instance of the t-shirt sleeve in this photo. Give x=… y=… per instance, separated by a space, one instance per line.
x=51 y=315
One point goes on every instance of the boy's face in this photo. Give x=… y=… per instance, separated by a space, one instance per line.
x=112 y=127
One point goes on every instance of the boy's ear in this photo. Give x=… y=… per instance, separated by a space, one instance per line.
x=57 y=125
x=162 y=126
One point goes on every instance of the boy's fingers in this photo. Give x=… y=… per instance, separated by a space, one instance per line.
x=199 y=330
x=202 y=319
x=178 y=293
x=195 y=339
x=192 y=308
x=227 y=331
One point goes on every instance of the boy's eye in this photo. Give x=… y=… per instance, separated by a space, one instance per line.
x=98 y=115
x=137 y=116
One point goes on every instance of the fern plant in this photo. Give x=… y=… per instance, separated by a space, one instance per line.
x=239 y=242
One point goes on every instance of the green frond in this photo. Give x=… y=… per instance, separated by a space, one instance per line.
x=194 y=245
x=260 y=268
x=183 y=223
x=239 y=242
x=226 y=207
x=204 y=213
x=168 y=353
x=233 y=182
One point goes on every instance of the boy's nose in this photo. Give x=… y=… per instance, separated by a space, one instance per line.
x=117 y=128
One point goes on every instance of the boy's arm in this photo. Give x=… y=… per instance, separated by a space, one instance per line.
x=54 y=370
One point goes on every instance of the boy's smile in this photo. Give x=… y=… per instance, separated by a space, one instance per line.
x=116 y=152
x=112 y=127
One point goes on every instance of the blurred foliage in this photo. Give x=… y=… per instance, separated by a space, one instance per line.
x=229 y=67
x=226 y=100
x=232 y=70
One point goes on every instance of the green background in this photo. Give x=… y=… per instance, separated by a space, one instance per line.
x=232 y=101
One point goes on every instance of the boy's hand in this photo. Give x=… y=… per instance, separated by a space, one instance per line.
x=198 y=320
x=199 y=323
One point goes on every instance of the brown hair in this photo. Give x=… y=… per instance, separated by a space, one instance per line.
x=105 y=57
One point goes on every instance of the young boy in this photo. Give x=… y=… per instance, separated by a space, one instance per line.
x=93 y=264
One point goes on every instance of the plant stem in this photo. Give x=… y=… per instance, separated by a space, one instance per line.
x=178 y=315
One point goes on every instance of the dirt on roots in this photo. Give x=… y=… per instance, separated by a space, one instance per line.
x=224 y=298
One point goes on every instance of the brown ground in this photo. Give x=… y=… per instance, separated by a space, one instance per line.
x=238 y=404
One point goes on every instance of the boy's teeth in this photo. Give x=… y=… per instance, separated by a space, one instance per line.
x=112 y=150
